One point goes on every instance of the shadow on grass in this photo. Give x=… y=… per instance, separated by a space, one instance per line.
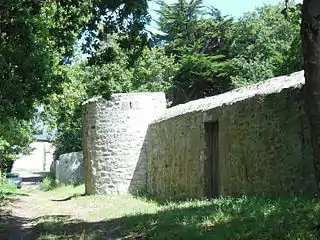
x=162 y=201
x=13 y=227
x=69 y=198
x=241 y=218
x=7 y=194
x=6 y=223
x=9 y=225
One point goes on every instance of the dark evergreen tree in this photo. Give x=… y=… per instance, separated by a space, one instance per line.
x=196 y=37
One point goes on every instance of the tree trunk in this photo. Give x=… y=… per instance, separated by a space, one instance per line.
x=310 y=36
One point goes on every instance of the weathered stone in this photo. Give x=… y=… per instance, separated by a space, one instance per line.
x=263 y=144
x=114 y=141
x=253 y=140
x=69 y=168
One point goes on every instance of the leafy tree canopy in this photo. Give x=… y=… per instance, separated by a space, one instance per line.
x=37 y=36
x=152 y=71
x=37 y=39
x=196 y=37
x=15 y=138
x=264 y=44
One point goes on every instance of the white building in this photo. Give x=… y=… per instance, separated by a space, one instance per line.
x=39 y=160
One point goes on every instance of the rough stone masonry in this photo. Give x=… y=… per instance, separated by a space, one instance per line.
x=250 y=141
x=69 y=168
x=114 y=141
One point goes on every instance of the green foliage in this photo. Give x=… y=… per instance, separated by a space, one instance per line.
x=105 y=78
x=37 y=36
x=292 y=11
x=153 y=71
x=26 y=65
x=216 y=53
x=49 y=183
x=201 y=75
x=200 y=54
x=36 y=39
x=264 y=44
x=6 y=187
x=196 y=38
x=15 y=138
x=230 y=218
x=178 y=21
x=62 y=111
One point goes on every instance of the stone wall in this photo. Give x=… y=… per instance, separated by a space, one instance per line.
x=175 y=157
x=69 y=168
x=115 y=139
x=263 y=144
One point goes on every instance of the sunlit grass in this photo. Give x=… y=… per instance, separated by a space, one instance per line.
x=128 y=217
x=6 y=187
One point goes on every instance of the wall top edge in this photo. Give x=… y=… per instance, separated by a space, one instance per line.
x=125 y=96
x=274 y=85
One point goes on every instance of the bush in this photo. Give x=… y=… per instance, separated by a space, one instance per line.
x=5 y=186
x=48 y=183
x=6 y=163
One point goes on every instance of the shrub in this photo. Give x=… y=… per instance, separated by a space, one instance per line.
x=5 y=186
x=48 y=183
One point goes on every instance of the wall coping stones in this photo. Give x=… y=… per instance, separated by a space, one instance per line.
x=273 y=85
x=122 y=96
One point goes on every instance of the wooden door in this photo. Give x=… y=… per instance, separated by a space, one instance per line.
x=212 y=165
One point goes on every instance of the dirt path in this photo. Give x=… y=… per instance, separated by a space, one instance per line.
x=15 y=224
x=17 y=216
x=23 y=213
x=24 y=217
x=63 y=215
x=16 y=212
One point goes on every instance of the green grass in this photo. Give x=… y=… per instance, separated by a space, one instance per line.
x=111 y=216
x=7 y=188
x=49 y=183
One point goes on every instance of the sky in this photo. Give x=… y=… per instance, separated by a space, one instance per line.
x=234 y=8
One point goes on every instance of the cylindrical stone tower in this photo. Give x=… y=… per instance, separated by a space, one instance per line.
x=114 y=139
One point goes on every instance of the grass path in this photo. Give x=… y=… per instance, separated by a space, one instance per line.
x=67 y=215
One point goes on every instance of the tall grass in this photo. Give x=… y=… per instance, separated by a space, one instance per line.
x=48 y=183
x=6 y=187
